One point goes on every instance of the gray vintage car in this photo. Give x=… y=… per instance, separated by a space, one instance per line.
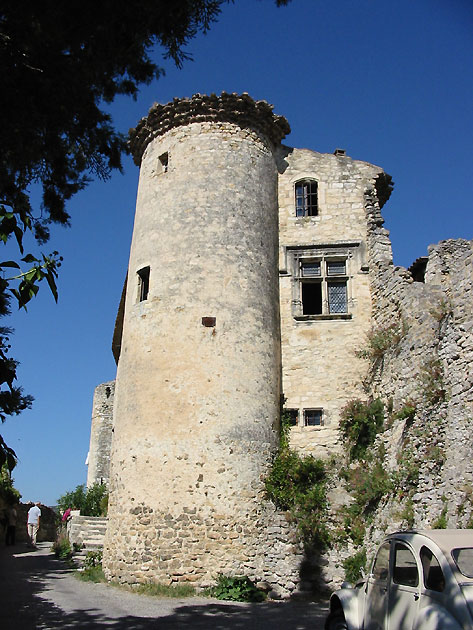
x=419 y=580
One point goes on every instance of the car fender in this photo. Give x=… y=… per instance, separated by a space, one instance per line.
x=348 y=599
x=434 y=617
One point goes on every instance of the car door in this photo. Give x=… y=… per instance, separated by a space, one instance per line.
x=376 y=602
x=403 y=589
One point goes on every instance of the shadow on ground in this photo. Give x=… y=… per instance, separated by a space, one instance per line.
x=30 y=582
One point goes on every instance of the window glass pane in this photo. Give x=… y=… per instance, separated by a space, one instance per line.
x=311 y=298
x=433 y=575
x=464 y=560
x=306 y=198
x=337 y=297
x=381 y=564
x=312 y=417
x=336 y=267
x=405 y=566
x=311 y=268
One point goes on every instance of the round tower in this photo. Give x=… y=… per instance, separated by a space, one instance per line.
x=198 y=382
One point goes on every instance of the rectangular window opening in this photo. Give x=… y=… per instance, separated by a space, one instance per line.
x=311 y=298
x=306 y=198
x=293 y=415
x=337 y=297
x=164 y=161
x=143 y=284
x=313 y=417
x=336 y=268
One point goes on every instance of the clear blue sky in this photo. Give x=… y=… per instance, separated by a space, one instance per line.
x=389 y=81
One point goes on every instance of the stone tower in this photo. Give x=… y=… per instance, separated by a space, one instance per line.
x=198 y=383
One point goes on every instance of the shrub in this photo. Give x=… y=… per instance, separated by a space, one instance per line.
x=62 y=547
x=237 y=589
x=432 y=384
x=379 y=340
x=93 y=559
x=354 y=566
x=297 y=484
x=360 y=423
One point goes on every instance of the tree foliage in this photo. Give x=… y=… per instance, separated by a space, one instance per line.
x=61 y=63
x=90 y=501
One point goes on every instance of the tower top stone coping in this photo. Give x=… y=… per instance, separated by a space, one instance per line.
x=239 y=109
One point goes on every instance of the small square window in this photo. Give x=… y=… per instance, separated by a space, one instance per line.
x=143 y=284
x=336 y=268
x=293 y=415
x=313 y=417
x=311 y=268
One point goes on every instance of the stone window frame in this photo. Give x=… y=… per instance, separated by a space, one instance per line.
x=307 y=207
x=323 y=254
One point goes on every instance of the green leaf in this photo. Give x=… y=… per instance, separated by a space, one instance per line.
x=10 y=263
x=29 y=258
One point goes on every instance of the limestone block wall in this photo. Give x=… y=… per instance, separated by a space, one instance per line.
x=198 y=381
x=101 y=434
x=320 y=366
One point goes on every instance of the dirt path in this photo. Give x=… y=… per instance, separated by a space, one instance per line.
x=37 y=591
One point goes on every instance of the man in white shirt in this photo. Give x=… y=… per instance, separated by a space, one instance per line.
x=34 y=515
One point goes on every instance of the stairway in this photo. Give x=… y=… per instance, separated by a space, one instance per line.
x=87 y=531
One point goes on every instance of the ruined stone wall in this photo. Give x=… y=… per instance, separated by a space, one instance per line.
x=427 y=365
x=101 y=434
x=197 y=400
x=320 y=367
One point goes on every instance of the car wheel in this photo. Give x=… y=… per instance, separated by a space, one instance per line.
x=336 y=621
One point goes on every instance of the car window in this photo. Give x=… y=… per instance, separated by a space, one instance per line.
x=405 y=566
x=381 y=564
x=464 y=560
x=433 y=574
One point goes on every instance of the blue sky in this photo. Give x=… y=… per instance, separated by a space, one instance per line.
x=390 y=82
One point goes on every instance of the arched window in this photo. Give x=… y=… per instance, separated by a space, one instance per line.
x=306 y=198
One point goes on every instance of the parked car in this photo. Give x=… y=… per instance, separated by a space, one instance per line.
x=419 y=580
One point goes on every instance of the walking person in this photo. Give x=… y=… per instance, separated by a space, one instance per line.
x=34 y=516
x=11 y=525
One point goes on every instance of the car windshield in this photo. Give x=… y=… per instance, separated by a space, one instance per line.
x=464 y=560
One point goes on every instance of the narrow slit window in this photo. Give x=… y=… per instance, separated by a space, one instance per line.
x=143 y=284
x=164 y=162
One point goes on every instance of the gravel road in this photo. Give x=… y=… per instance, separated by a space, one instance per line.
x=37 y=592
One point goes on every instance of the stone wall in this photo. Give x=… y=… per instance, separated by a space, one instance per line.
x=320 y=367
x=101 y=433
x=428 y=366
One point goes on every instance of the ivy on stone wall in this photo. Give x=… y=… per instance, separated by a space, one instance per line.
x=297 y=484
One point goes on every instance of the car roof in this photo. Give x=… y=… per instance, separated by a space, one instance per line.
x=446 y=539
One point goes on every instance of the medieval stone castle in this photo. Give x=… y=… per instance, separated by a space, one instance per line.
x=257 y=272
